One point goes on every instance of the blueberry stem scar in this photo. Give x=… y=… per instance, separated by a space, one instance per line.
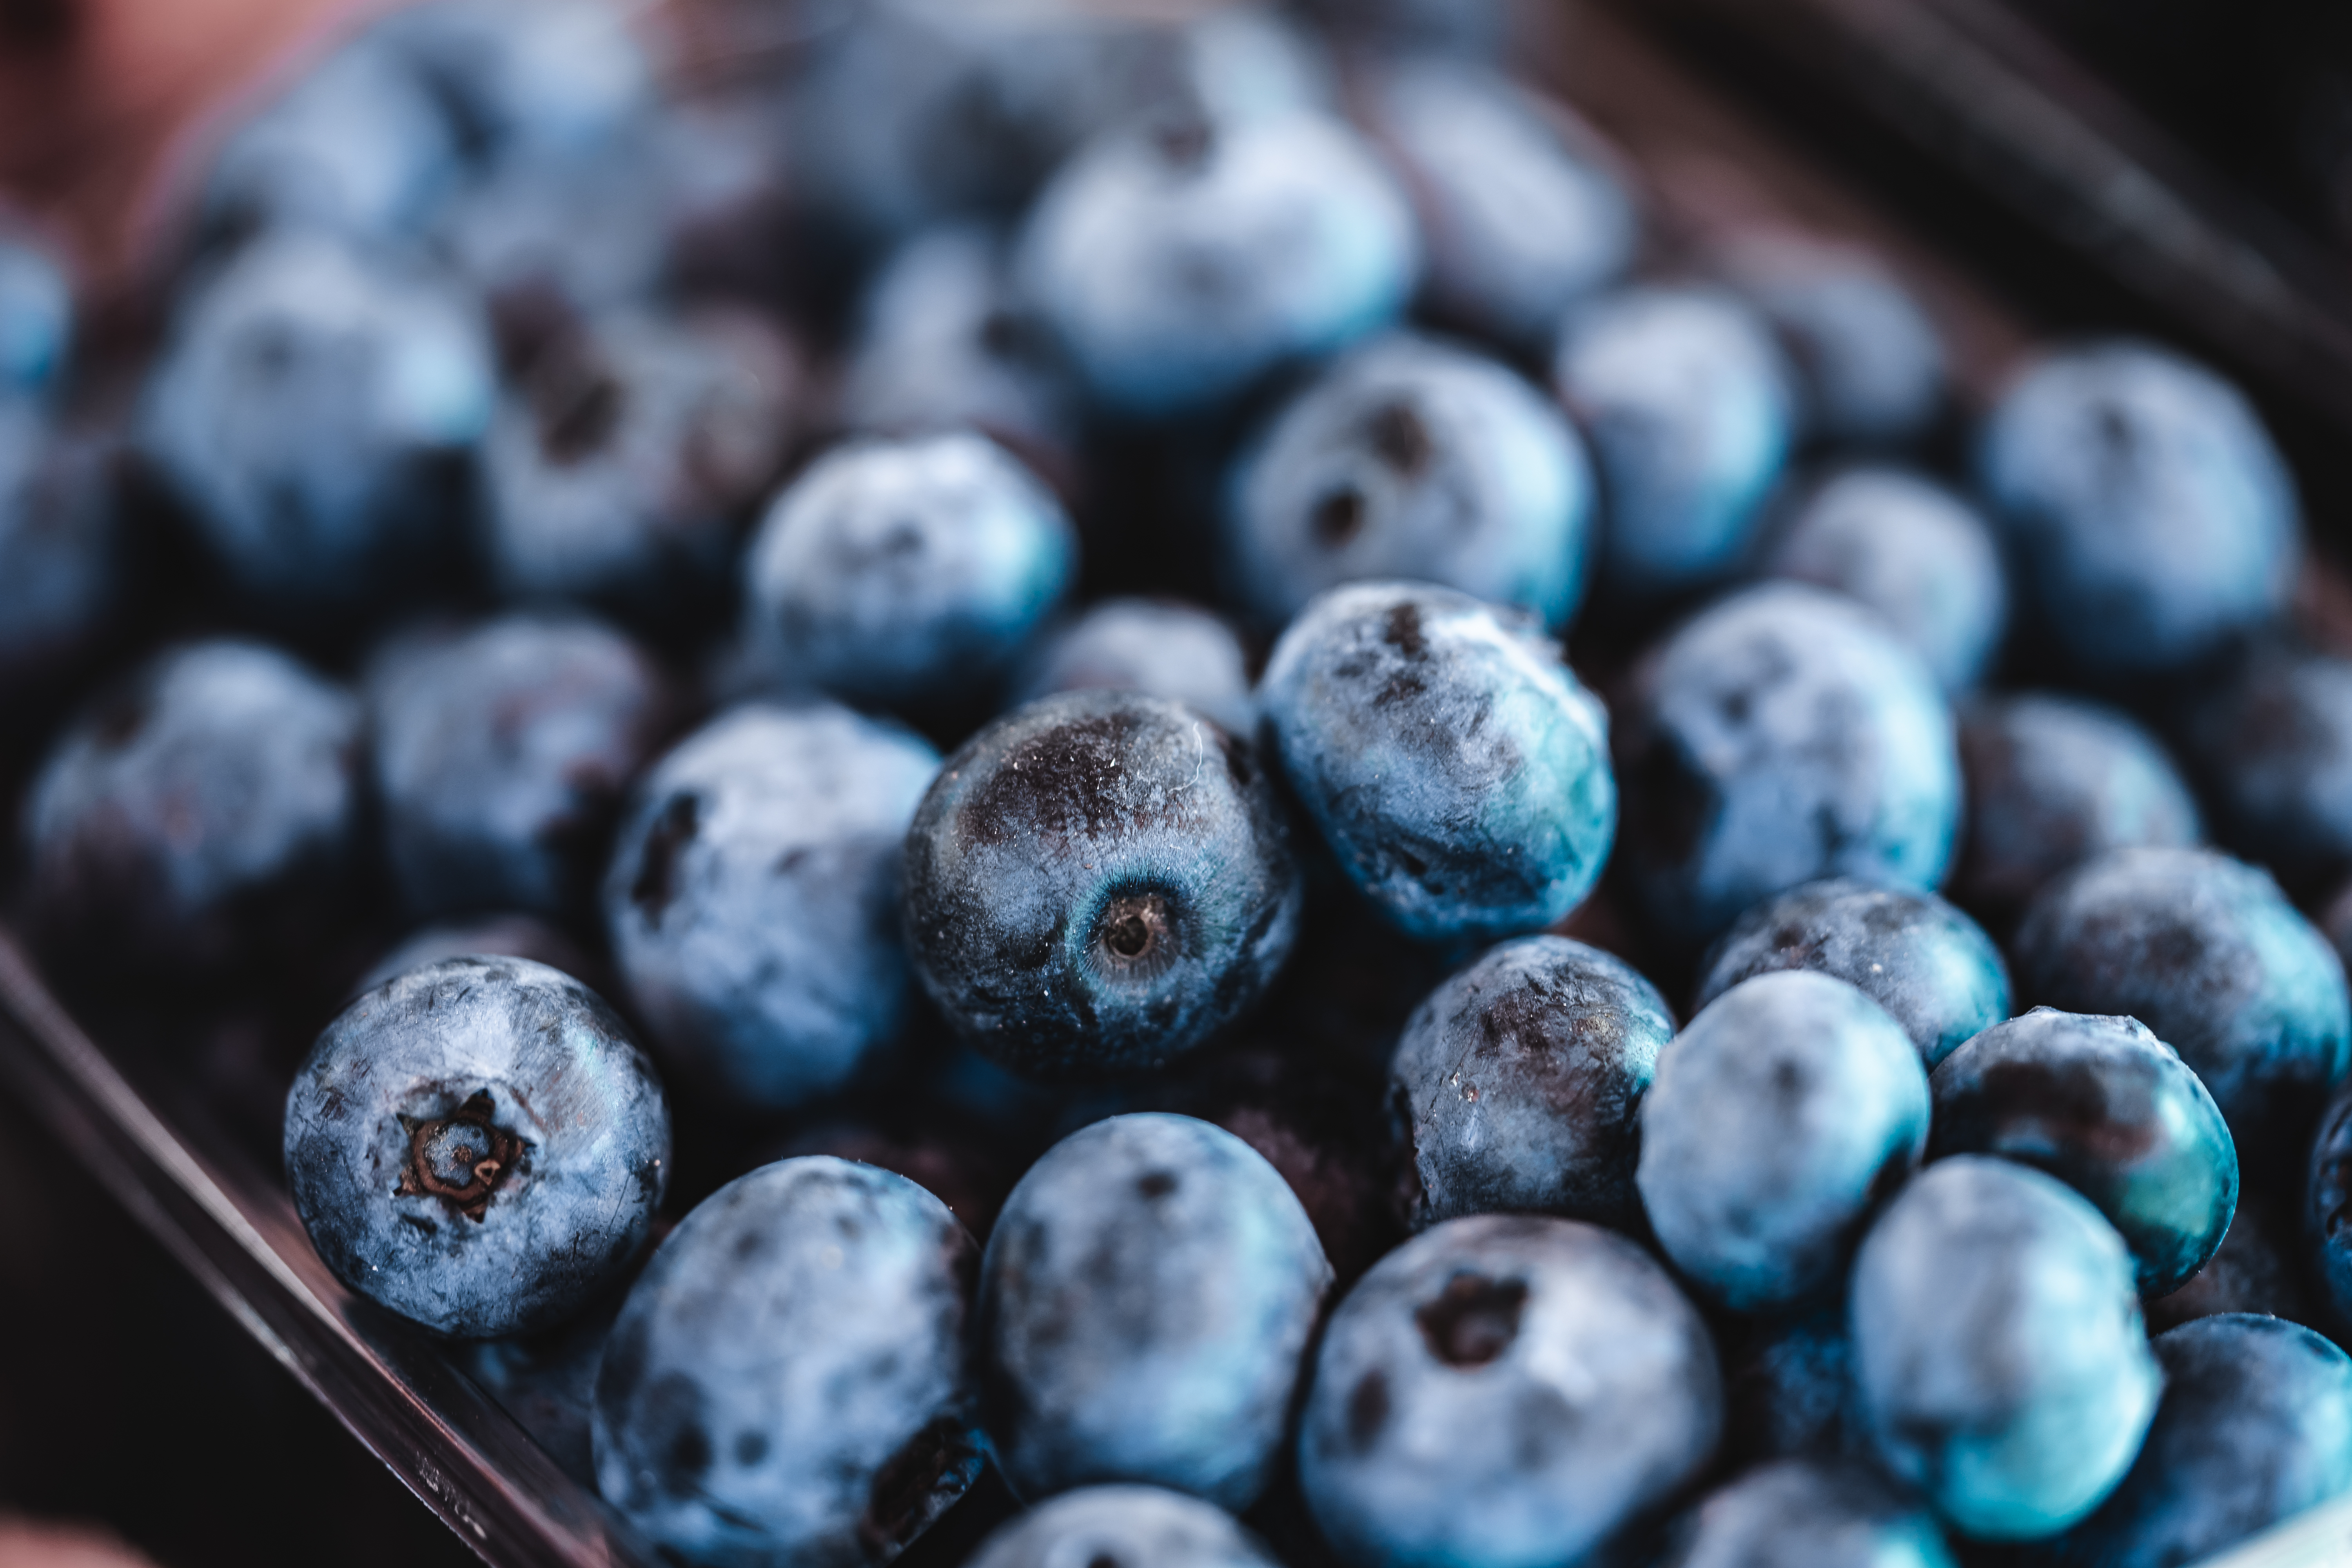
x=419 y=1176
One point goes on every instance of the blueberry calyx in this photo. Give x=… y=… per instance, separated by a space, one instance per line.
x=461 y=1158
x=1474 y=1319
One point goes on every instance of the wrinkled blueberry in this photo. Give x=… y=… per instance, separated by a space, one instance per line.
x=37 y=311
x=62 y=557
x=1870 y=366
x=1123 y=1527
x=498 y=935
x=2275 y=748
x=1802 y=1511
x=1157 y=646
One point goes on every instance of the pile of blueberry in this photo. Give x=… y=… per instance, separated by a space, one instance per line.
x=1131 y=761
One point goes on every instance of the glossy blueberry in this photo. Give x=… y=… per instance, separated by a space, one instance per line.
x=1516 y=1087
x=1781 y=736
x=478 y=1145
x=61 y=556
x=1804 y=1513
x=1145 y=1307
x=2151 y=516
x=1157 y=646
x=2255 y=1427
x=1909 y=549
x=518 y=79
x=1124 y=1527
x=2208 y=953
x=504 y=934
x=1098 y=882
x=1870 y=364
x=2274 y=746
x=37 y=311
x=2107 y=1109
x=1791 y=1392
x=1998 y=1349
x=789 y=1381
x=907 y=572
x=1686 y=402
x=1780 y=1117
x=753 y=901
x=1180 y=262
x=1411 y=458
x=1504 y=1391
x=1452 y=760
x=1912 y=953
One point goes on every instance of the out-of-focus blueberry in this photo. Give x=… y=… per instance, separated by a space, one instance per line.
x=2327 y=1209
x=789 y=1381
x=1098 y=882
x=909 y=573
x=2275 y=748
x=1998 y=1348
x=1791 y=1391
x=1805 y=1512
x=1504 y=1391
x=752 y=902
x=499 y=935
x=1134 y=1527
x=1157 y=646
x=1869 y=363
x=61 y=566
x=2109 y=1109
x=478 y=1145
x=1686 y=400
x=1914 y=954
x=2151 y=517
x=562 y=75
x=1780 y=1115
x=1518 y=1086
x=1145 y=1307
x=1781 y=736
x=1412 y=457
x=1476 y=27
x=1454 y=764
x=37 y=311
x=1909 y=549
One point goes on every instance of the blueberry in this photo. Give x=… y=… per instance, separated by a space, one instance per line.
x=1780 y=736
x=516 y=79
x=1123 y=1527
x=1412 y=457
x=1869 y=361
x=1803 y=1511
x=2327 y=1209
x=1909 y=549
x=561 y=236
x=477 y=1145
x=2257 y=1269
x=753 y=901
x=1912 y=953
x=2152 y=517
x=1998 y=1349
x=1504 y=1391
x=1791 y=1394
x=907 y=573
x=37 y=311
x=1780 y=1115
x=1157 y=646
x=1686 y=402
x=2109 y=1109
x=2274 y=745
x=1518 y=1086
x=1473 y=27
x=509 y=934
x=501 y=756
x=61 y=555
x=1145 y=1308
x=789 y=1381
x=1455 y=766
x=2208 y=953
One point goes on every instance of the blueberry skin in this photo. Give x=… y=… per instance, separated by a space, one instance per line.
x=2208 y=953
x=1911 y=550
x=2109 y=1109
x=1518 y=1086
x=520 y=79
x=2274 y=746
x=1914 y=954
x=1159 y=647
x=36 y=317
x=2255 y=1427
x=2152 y=519
x=1685 y=401
x=907 y=573
x=1178 y=266
x=62 y=551
x=1780 y=1116
x=1410 y=456
x=1132 y=1527
x=1998 y=1348
x=1800 y=1513
x=1504 y=1391
x=1145 y=1310
x=1869 y=361
x=2326 y=1207
x=752 y=900
x=1780 y=736
x=556 y=237
x=1452 y=760
x=477 y=1145
x=789 y=1383
x=1096 y=883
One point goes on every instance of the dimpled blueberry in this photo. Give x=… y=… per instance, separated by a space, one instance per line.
x=1799 y=1513
x=1685 y=401
x=61 y=556
x=1412 y=457
x=1870 y=362
x=788 y=1382
x=1123 y=1527
x=1157 y=646
x=2107 y=1109
x=2152 y=517
x=2274 y=746
x=35 y=316
x=1145 y=1308
x=1098 y=882
x=906 y=572
x=1504 y=1391
x=478 y=1145
x=1998 y=1348
x=1518 y=1086
x=1454 y=764
x=1914 y=954
x=1909 y=549
x=2255 y=1427
x=1780 y=1116
x=1780 y=736
x=2207 y=952
x=1180 y=262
